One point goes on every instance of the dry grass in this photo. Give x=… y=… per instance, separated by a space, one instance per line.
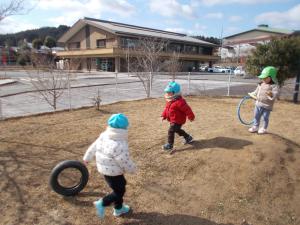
x=227 y=176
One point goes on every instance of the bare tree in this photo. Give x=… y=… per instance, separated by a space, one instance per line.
x=145 y=60
x=97 y=100
x=74 y=64
x=12 y=7
x=49 y=81
x=173 y=65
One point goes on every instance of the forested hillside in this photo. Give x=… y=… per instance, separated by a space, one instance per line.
x=30 y=35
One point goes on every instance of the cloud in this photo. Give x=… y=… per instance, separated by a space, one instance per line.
x=287 y=19
x=177 y=30
x=214 y=15
x=72 y=10
x=227 y=2
x=198 y=29
x=13 y=25
x=171 y=8
x=231 y=30
x=235 y=18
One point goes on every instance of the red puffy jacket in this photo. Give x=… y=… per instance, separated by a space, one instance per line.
x=177 y=110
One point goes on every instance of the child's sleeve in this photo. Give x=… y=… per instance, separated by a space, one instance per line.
x=164 y=113
x=275 y=92
x=255 y=91
x=125 y=162
x=90 y=153
x=188 y=111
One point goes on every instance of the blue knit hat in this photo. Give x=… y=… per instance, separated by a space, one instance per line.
x=173 y=87
x=119 y=121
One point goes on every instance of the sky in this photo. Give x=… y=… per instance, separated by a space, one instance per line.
x=217 y=18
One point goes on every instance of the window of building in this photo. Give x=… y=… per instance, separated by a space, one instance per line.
x=191 y=49
x=207 y=50
x=74 y=45
x=173 y=47
x=101 y=43
x=127 y=42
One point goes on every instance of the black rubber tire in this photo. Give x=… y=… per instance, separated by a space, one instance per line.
x=241 y=103
x=68 y=191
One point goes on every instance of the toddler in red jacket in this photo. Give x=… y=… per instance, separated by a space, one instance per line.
x=175 y=112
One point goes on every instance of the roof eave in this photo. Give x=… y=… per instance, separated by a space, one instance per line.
x=71 y=32
x=139 y=35
x=256 y=29
x=77 y=27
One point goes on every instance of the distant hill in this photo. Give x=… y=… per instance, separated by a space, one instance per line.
x=30 y=35
x=213 y=40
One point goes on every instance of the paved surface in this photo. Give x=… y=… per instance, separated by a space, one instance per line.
x=21 y=99
x=6 y=81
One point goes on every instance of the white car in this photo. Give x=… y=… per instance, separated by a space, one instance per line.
x=239 y=71
x=218 y=69
x=203 y=68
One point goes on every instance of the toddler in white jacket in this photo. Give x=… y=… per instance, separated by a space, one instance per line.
x=112 y=159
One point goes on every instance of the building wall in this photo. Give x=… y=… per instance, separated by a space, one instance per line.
x=250 y=35
x=88 y=36
x=78 y=37
x=96 y=34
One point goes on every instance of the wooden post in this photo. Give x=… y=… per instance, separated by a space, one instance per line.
x=296 y=92
x=189 y=82
x=229 y=81
x=116 y=76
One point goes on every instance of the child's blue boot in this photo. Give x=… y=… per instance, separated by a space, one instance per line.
x=188 y=140
x=118 y=212
x=167 y=147
x=100 y=208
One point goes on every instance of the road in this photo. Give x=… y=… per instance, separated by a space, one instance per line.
x=20 y=98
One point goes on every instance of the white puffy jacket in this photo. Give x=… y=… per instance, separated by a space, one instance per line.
x=111 y=150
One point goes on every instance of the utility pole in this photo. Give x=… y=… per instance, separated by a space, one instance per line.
x=296 y=92
x=221 y=39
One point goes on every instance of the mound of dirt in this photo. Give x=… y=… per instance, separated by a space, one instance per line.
x=226 y=176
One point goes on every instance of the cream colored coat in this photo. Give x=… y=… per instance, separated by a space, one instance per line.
x=111 y=151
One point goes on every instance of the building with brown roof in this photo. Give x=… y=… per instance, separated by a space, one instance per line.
x=240 y=45
x=103 y=45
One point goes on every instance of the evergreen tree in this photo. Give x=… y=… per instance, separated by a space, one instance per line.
x=37 y=43
x=283 y=54
x=50 y=42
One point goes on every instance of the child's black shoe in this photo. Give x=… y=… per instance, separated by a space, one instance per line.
x=167 y=147
x=188 y=140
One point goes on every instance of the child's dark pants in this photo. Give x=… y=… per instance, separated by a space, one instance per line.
x=117 y=183
x=175 y=128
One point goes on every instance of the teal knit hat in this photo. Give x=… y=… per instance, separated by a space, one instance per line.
x=173 y=87
x=119 y=121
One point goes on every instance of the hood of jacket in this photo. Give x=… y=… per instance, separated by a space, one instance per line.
x=116 y=134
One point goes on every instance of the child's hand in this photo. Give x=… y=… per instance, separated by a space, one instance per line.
x=85 y=162
x=269 y=93
x=192 y=120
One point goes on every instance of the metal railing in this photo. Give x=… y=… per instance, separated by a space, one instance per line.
x=125 y=86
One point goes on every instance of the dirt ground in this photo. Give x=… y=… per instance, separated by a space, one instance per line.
x=227 y=176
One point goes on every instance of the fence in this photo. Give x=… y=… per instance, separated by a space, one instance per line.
x=21 y=99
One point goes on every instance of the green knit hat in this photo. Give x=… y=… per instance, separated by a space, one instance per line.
x=269 y=71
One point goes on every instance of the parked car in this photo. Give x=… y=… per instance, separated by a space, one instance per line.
x=225 y=70
x=218 y=69
x=215 y=69
x=239 y=71
x=203 y=68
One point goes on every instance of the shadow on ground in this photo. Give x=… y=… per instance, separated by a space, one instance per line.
x=83 y=198
x=217 y=142
x=176 y=219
